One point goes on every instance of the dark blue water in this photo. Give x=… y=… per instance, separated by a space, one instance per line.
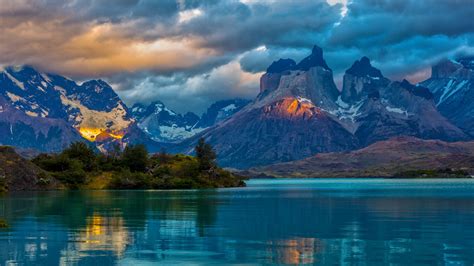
x=325 y=221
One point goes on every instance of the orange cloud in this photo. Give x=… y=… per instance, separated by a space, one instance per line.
x=94 y=49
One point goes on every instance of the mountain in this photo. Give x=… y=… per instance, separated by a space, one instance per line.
x=300 y=112
x=452 y=84
x=381 y=159
x=220 y=111
x=47 y=111
x=385 y=108
x=165 y=125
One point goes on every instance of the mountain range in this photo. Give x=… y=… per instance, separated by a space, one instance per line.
x=46 y=112
x=165 y=125
x=299 y=112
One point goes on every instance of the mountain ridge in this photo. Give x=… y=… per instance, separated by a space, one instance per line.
x=381 y=159
x=296 y=109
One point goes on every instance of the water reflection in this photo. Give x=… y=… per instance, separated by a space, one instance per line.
x=281 y=225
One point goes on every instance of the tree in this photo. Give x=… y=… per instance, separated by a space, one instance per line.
x=163 y=157
x=82 y=152
x=135 y=157
x=205 y=154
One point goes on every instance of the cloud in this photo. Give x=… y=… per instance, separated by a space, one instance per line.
x=183 y=93
x=189 y=53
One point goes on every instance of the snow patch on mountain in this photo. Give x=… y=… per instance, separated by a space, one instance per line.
x=348 y=112
x=17 y=82
x=341 y=103
x=229 y=108
x=177 y=133
x=450 y=90
x=304 y=100
x=396 y=110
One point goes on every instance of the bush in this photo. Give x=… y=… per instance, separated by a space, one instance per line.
x=126 y=179
x=82 y=152
x=135 y=158
x=74 y=175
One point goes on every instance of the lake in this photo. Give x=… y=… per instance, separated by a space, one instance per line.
x=286 y=221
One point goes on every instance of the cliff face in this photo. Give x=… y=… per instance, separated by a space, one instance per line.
x=452 y=84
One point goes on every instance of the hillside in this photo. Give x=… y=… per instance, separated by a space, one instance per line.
x=17 y=173
x=381 y=159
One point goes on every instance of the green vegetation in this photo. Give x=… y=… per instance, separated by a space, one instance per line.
x=133 y=168
x=3 y=223
x=433 y=173
x=3 y=182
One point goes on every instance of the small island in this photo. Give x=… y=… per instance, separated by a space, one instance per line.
x=81 y=167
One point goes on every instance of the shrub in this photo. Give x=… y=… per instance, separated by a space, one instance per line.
x=126 y=179
x=82 y=152
x=135 y=158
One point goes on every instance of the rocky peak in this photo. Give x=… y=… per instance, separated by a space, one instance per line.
x=362 y=80
x=449 y=69
x=416 y=90
x=281 y=65
x=315 y=59
x=138 y=110
x=467 y=62
x=96 y=95
x=363 y=68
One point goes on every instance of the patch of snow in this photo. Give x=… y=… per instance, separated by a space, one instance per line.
x=160 y=107
x=396 y=110
x=45 y=77
x=229 y=108
x=98 y=89
x=341 y=103
x=60 y=89
x=137 y=109
x=348 y=113
x=177 y=133
x=453 y=91
x=15 y=98
x=17 y=82
x=446 y=90
x=31 y=114
x=304 y=100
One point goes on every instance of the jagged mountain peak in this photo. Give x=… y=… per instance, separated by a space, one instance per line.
x=315 y=59
x=281 y=65
x=362 y=80
x=363 y=68
x=416 y=90
x=466 y=61
x=462 y=68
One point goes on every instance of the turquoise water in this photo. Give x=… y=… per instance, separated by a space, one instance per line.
x=289 y=221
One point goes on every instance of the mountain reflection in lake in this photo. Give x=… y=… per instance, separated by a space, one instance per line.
x=331 y=221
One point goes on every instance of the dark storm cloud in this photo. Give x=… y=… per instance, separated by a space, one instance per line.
x=189 y=53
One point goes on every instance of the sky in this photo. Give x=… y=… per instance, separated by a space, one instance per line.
x=189 y=53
